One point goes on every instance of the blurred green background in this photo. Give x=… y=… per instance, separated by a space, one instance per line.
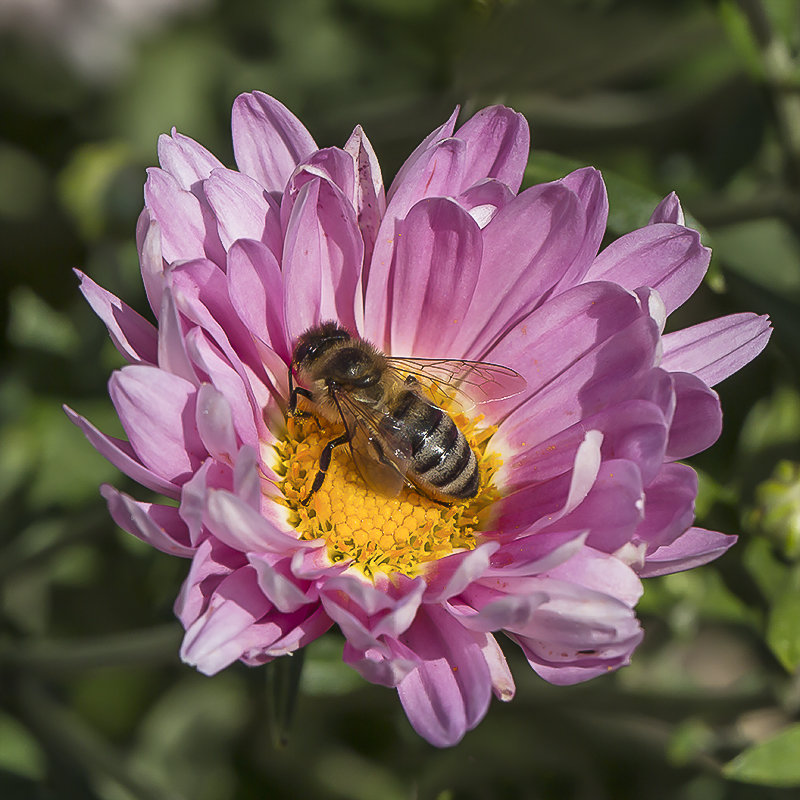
x=699 y=97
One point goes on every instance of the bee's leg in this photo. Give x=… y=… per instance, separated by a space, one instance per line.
x=294 y=391
x=324 y=463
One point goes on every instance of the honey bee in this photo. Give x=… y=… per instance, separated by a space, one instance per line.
x=396 y=432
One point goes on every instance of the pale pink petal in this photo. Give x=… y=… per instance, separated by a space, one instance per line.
x=695 y=548
x=243 y=210
x=527 y=248
x=215 y=423
x=122 y=456
x=255 y=286
x=157 y=410
x=268 y=140
x=715 y=349
x=280 y=586
x=664 y=256
x=214 y=640
x=186 y=160
x=132 y=334
x=188 y=228
x=172 y=355
x=151 y=261
x=158 y=525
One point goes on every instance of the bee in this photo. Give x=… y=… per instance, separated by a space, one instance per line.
x=396 y=431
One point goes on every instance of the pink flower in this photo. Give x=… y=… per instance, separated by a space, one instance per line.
x=582 y=493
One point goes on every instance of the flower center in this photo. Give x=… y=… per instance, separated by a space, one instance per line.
x=377 y=532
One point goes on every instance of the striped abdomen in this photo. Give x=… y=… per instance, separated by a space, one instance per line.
x=442 y=462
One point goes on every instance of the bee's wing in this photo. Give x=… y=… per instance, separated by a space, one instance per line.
x=470 y=383
x=381 y=453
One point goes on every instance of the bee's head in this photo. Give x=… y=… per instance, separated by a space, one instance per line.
x=316 y=341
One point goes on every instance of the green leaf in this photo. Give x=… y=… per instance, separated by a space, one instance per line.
x=783 y=627
x=773 y=762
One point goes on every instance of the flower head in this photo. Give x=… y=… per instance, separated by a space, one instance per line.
x=578 y=493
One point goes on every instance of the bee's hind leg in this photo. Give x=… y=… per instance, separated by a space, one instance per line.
x=324 y=463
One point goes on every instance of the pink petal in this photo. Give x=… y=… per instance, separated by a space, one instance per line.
x=587 y=183
x=255 y=286
x=158 y=525
x=131 y=333
x=215 y=639
x=527 y=247
x=438 y=259
x=697 y=422
x=669 y=506
x=283 y=590
x=611 y=510
x=215 y=423
x=715 y=349
x=451 y=575
x=122 y=456
x=484 y=199
x=695 y=548
x=331 y=164
x=535 y=553
x=148 y=244
x=212 y=562
x=188 y=228
x=436 y=172
x=186 y=160
x=157 y=410
x=322 y=260
x=243 y=209
x=268 y=140
x=444 y=131
x=243 y=528
x=498 y=141
x=369 y=199
x=449 y=692
x=172 y=355
x=668 y=210
x=664 y=256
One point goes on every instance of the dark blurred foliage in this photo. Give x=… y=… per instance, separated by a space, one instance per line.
x=699 y=97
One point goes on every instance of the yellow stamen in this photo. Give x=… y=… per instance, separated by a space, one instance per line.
x=378 y=533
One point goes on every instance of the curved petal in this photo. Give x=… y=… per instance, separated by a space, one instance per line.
x=268 y=140
x=668 y=210
x=151 y=261
x=438 y=258
x=369 y=199
x=498 y=141
x=527 y=248
x=697 y=422
x=322 y=260
x=122 y=456
x=716 y=349
x=484 y=199
x=186 y=160
x=132 y=334
x=449 y=692
x=188 y=227
x=669 y=506
x=663 y=256
x=695 y=548
x=157 y=410
x=434 y=173
x=243 y=210
x=158 y=525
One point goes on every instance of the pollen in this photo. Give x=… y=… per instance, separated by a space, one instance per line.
x=373 y=531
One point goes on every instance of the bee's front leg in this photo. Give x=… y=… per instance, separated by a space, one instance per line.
x=294 y=392
x=324 y=463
